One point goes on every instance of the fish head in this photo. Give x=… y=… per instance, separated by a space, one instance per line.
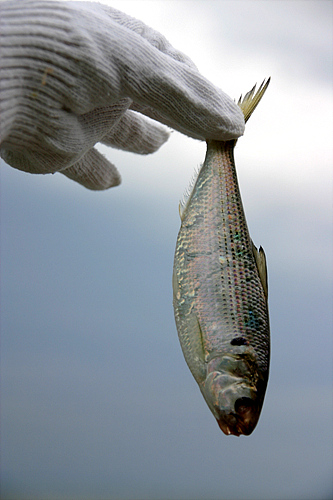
x=242 y=419
x=234 y=391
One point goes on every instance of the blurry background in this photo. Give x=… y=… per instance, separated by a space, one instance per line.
x=97 y=401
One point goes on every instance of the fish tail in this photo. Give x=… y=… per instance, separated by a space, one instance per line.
x=251 y=99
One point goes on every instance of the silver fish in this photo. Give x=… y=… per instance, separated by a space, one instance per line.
x=220 y=291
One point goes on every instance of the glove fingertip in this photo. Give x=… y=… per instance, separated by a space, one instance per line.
x=94 y=172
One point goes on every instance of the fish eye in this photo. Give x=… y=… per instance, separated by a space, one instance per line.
x=238 y=341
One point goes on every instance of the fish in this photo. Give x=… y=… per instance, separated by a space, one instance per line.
x=220 y=290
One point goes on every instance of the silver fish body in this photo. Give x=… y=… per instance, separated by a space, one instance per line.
x=220 y=293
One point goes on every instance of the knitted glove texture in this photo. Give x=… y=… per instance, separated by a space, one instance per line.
x=76 y=73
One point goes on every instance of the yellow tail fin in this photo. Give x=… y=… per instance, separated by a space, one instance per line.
x=251 y=99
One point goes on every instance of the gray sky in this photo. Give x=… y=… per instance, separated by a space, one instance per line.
x=97 y=401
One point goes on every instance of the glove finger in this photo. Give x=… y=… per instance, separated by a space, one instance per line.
x=96 y=123
x=164 y=87
x=94 y=172
x=137 y=134
x=152 y=36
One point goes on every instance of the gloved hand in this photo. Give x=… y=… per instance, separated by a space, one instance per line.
x=76 y=73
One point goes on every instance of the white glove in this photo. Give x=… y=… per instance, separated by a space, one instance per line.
x=76 y=73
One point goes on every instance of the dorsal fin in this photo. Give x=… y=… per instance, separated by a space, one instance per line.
x=187 y=194
x=260 y=258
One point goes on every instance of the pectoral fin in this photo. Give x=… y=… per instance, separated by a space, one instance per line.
x=190 y=333
x=193 y=349
x=260 y=258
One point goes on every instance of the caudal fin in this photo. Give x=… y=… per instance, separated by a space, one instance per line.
x=251 y=99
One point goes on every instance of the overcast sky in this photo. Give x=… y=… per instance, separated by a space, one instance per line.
x=97 y=401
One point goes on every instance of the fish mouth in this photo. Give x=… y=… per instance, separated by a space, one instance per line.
x=241 y=421
x=234 y=390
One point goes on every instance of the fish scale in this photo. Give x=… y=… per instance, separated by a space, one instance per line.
x=220 y=292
